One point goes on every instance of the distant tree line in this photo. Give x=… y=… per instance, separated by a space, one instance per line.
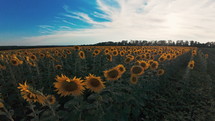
x=157 y=43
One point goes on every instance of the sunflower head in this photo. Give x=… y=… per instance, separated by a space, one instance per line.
x=160 y=72
x=42 y=55
x=154 y=65
x=65 y=86
x=191 y=64
x=81 y=54
x=106 y=51
x=112 y=74
x=137 y=70
x=133 y=79
x=50 y=99
x=94 y=83
x=109 y=57
x=58 y=67
x=144 y=64
x=33 y=57
x=122 y=53
x=2 y=67
x=121 y=68
x=1 y=105
x=14 y=62
x=115 y=53
x=161 y=58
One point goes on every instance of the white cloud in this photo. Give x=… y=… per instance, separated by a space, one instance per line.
x=140 y=19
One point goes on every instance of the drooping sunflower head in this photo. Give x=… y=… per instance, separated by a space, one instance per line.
x=160 y=72
x=154 y=65
x=137 y=70
x=30 y=94
x=66 y=87
x=94 y=83
x=81 y=54
x=121 y=68
x=112 y=74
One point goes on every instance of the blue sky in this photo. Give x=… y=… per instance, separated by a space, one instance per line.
x=62 y=22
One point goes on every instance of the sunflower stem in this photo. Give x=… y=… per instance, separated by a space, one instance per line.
x=32 y=108
x=8 y=114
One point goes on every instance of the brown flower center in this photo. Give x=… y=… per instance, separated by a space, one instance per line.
x=70 y=86
x=94 y=82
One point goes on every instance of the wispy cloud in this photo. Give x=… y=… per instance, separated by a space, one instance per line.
x=138 y=19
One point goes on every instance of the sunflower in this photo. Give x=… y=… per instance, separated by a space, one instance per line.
x=65 y=86
x=206 y=55
x=81 y=54
x=144 y=64
x=94 y=83
x=122 y=53
x=191 y=64
x=133 y=79
x=28 y=97
x=64 y=55
x=137 y=70
x=77 y=47
x=143 y=56
x=58 y=67
x=96 y=52
x=106 y=51
x=121 y=68
x=112 y=74
x=68 y=52
x=50 y=99
x=168 y=56
x=1 y=105
x=154 y=65
x=150 y=62
x=2 y=67
x=127 y=60
x=42 y=55
x=138 y=57
x=26 y=88
x=33 y=57
x=14 y=62
x=160 y=72
x=30 y=94
x=115 y=53
x=161 y=58
x=109 y=57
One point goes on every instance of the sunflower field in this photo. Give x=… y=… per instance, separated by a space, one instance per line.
x=107 y=83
